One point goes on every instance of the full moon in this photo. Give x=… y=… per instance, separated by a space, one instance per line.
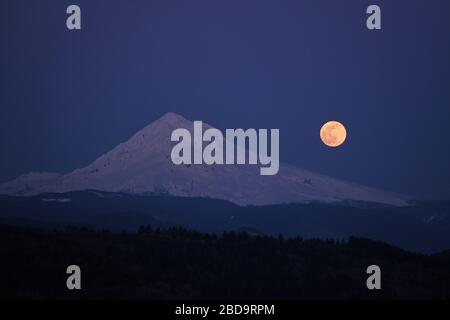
x=333 y=134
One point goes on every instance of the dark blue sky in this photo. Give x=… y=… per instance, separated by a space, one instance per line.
x=67 y=97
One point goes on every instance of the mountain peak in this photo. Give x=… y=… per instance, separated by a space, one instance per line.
x=162 y=126
x=173 y=119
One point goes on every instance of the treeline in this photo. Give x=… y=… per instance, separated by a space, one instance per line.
x=177 y=263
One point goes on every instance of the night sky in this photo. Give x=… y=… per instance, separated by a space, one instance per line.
x=69 y=96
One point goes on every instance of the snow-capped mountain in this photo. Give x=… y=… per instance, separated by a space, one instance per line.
x=142 y=165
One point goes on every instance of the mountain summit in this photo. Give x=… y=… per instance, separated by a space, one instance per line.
x=142 y=165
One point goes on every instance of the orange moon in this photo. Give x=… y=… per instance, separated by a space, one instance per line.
x=333 y=134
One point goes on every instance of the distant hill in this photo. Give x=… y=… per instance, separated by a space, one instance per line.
x=424 y=227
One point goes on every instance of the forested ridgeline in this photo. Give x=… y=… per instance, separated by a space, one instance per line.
x=176 y=263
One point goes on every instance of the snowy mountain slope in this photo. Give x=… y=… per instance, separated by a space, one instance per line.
x=142 y=165
x=28 y=183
